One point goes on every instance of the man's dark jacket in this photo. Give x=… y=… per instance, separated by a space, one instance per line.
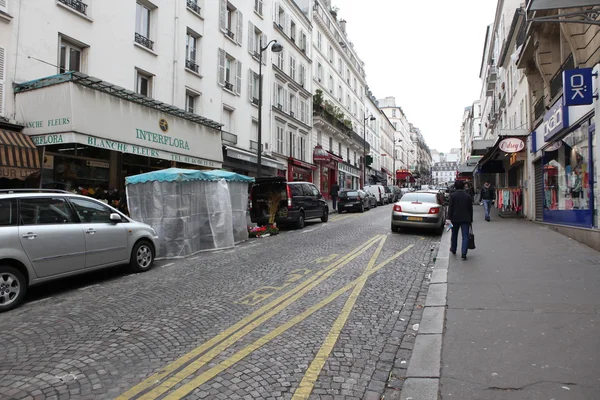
x=335 y=190
x=488 y=193
x=460 y=209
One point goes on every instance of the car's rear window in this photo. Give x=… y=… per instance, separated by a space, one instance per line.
x=420 y=197
x=348 y=194
x=8 y=212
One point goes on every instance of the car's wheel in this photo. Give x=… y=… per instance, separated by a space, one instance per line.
x=12 y=287
x=142 y=256
x=440 y=229
x=300 y=222
x=325 y=216
x=362 y=208
x=395 y=229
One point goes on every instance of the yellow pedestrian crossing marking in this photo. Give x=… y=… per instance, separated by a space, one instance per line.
x=168 y=381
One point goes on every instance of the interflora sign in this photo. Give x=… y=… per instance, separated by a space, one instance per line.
x=511 y=145
x=114 y=123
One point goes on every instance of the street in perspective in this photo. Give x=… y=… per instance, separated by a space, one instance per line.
x=299 y=199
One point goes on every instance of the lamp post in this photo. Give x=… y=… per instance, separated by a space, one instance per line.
x=276 y=48
x=370 y=118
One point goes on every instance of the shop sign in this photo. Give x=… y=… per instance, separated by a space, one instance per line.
x=97 y=164
x=511 y=145
x=577 y=84
x=348 y=169
x=16 y=173
x=555 y=120
x=43 y=140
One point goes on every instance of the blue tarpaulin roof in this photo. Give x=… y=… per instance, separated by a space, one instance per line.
x=185 y=175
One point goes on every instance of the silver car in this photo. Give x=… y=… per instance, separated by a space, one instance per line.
x=52 y=234
x=421 y=209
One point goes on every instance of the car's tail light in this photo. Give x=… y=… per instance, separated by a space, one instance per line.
x=397 y=208
x=289 y=195
x=434 y=210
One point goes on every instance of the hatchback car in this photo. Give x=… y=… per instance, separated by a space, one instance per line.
x=356 y=200
x=419 y=209
x=296 y=202
x=50 y=234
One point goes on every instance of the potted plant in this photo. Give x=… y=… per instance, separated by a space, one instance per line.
x=334 y=11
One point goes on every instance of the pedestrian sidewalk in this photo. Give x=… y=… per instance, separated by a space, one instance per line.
x=522 y=318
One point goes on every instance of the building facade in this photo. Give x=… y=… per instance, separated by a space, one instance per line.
x=443 y=172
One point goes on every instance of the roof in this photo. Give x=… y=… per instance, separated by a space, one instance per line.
x=114 y=90
x=186 y=175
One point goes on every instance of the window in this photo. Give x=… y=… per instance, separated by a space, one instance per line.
x=355 y=159
x=280 y=139
x=394 y=114
x=256 y=39
x=320 y=74
x=354 y=108
x=330 y=144
x=280 y=97
x=340 y=66
x=348 y=101
x=191 y=102
x=302 y=80
x=319 y=41
x=253 y=86
x=303 y=111
x=70 y=57
x=355 y=85
x=230 y=73
x=330 y=54
x=142 y=25
x=281 y=60
x=258 y=7
x=91 y=212
x=231 y=21
x=293 y=31
x=303 y=41
x=191 y=47
x=292 y=144
x=340 y=149
x=292 y=68
x=293 y=105
x=330 y=83
x=347 y=154
x=302 y=148
x=340 y=93
x=395 y=124
x=193 y=5
x=143 y=83
x=8 y=212
x=280 y=16
x=227 y=120
x=44 y=211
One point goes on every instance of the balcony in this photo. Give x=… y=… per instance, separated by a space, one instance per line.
x=228 y=138
x=144 y=41
x=538 y=109
x=191 y=65
x=76 y=5
x=556 y=82
x=339 y=126
x=193 y=5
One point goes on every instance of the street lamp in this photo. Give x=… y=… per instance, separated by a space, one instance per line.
x=370 y=118
x=276 y=48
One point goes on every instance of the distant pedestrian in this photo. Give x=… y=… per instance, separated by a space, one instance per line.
x=460 y=213
x=470 y=190
x=488 y=195
x=335 y=189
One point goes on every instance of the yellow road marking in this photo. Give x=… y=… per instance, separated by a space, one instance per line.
x=184 y=390
x=273 y=306
x=312 y=373
x=325 y=259
x=264 y=292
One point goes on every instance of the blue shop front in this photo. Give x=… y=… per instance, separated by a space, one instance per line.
x=563 y=148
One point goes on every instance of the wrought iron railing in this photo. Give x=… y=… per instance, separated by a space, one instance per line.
x=193 y=5
x=76 y=5
x=191 y=64
x=228 y=137
x=144 y=41
x=556 y=82
x=230 y=34
x=229 y=86
x=538 y=109
x=255 y=101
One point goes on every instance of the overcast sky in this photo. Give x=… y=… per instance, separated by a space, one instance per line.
x=426 y=53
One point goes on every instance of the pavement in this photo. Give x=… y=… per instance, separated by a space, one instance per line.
x=327 y=312
x=522 y=318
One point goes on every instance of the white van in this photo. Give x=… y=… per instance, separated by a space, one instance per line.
x=379 y=192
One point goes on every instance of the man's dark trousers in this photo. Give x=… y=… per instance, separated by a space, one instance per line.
x=464 y=227
x=334 y=200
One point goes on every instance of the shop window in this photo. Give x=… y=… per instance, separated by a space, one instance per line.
x=143 y=83
x=566 y=173
x=70 y=57
x=84 y=175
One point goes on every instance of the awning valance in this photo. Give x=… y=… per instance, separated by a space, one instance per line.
x=322 y=155
x=403 y=175
x=19 y=157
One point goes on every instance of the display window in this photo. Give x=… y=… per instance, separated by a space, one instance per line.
x=325 y=180
x=566 y=172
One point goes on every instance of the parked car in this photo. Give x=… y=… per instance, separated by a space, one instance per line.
x=372 y=199
x=297 y=202
x=50 y=234
x=353 y=200
x=389 y=194
x=395 y=191
x=420 y=209
x=379 y=193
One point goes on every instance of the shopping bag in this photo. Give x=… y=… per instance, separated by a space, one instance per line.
x=471 y=238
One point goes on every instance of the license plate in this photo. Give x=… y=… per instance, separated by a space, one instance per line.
x=414 y=218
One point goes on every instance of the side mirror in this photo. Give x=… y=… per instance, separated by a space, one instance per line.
x=114 y=217
x=319 y=196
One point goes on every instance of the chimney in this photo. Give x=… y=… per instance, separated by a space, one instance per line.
x=343 y=26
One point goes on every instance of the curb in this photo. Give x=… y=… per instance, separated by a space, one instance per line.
x=422 y=381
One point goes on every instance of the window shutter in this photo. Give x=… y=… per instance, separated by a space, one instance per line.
x=303 y=75
x=221 y=76
x=250 y=85
x=260 y=7
x=238 y=78
x=274 y=94
x=263 y=43
x=276 y=13
x=287 y=27
x=2 y=69
x=223 y=15
x=286 y=100
x=240 y=27
x=251 y=38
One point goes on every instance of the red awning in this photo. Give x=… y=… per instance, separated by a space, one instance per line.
x=302 y=164
x=322 y=155
x=386 y=171
x=404 y=175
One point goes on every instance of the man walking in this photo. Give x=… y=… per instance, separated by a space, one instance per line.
x=488 y=194
x=334 y=194
x=460 y=213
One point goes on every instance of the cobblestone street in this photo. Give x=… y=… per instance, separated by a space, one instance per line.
x=326 y=313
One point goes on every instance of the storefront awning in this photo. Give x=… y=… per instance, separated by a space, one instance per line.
x=403 y=175
x=492 y=161
x=19 y=157
x=244 y=155
x=322 y=155
x=386 y=171
x=303 y=164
